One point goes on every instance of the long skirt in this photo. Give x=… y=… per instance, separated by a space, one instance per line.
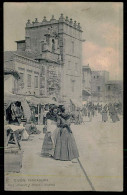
x=114 y=117
x=47 y=147
x=104 y=116
x=49 y=143
x=65 y=148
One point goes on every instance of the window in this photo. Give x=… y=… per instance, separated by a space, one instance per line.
x=47 y=39
x=28 y=80
x=108 y=88
x=21 y=76
x=72 y=46
x=73 y=83
x=94 y=77
x=53 y=45
x=98 y=88
x=36 y=82
x=76 y=67
x=42 y=82
x=97 y=77
x=42 y=46
x=69 y=65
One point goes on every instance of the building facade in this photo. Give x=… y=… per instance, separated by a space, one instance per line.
x=86 y=83
x=98 y=81
x=49 y=59
x=114 y=91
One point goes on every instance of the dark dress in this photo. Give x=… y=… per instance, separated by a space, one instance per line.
x=104 y=116
x=113 y=115
x=65 y=148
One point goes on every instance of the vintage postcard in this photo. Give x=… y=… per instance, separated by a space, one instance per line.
x=63 y=96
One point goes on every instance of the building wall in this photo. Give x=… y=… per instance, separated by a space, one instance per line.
x=35 y=36
x=72 y=62
x=114 y=91
x=9 y=84
x=70 y=45
x=28 y=67
x=99 y=78
x=86 y=78
x=68 y=73
x=21 y=46
x=86 y=83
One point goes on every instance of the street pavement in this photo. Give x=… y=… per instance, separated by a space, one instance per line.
x=100 y=148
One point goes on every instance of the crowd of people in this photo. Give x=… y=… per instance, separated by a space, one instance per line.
x=107 y=111
x=59 y=141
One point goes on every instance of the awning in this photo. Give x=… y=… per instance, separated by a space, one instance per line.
x=86 y=92
x=9 y=98
x=76 y=102
x=38 y=100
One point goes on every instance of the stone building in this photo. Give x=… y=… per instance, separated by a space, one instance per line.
x=86 y=83
x=114 y=91
x=98 y=80
x=28 y=69
x=49 y=59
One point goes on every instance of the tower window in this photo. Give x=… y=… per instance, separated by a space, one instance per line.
x=109 y=88
x=73 y=85
x=72 y=46
x=28 y=80
x=42 y=46
x=53 y=45
x=98 y=88
x=36 y=82
x=69 y=65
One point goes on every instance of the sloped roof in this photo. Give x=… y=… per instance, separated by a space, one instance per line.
x=9 y=55
x=114 y=82
x=27 y=54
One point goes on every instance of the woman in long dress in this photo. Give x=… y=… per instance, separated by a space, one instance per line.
x=113 y=114
x=104 y=115
x=50 y=135
x=65 y=147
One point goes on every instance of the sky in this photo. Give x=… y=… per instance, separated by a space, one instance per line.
x=101 y=22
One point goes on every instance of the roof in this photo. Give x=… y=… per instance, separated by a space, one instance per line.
x=86 y=92
x=9 y=55
x=76 y=102
x=86 y=66
x=27 y=54
x=111 y=82
x=21 y=41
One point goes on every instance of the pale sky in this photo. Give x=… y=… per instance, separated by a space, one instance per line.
x=102 y=23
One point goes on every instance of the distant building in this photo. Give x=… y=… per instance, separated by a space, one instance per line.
x=49 y=60
x=114 y=91
x=86 y=83
x=99 y=78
